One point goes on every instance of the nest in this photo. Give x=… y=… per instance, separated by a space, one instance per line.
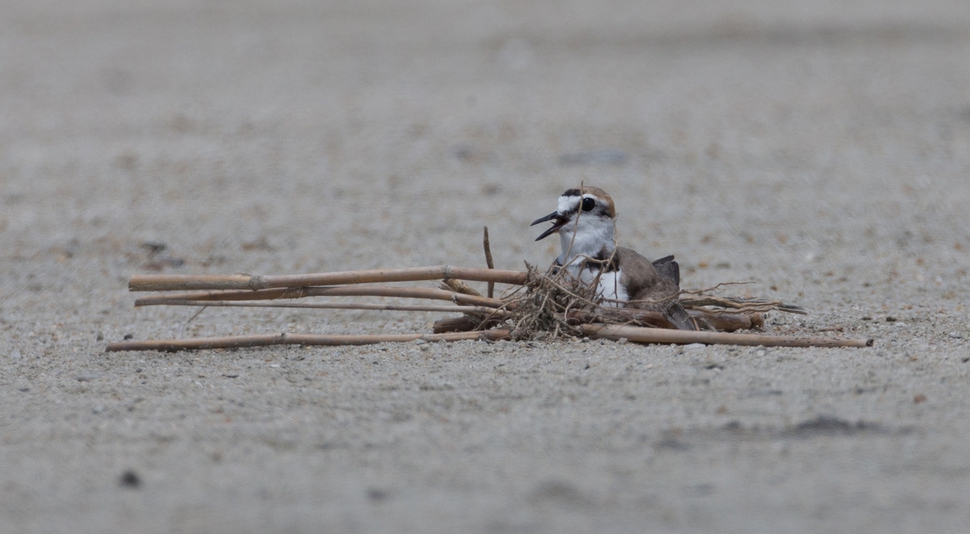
x=536 y=306
x=556 y=305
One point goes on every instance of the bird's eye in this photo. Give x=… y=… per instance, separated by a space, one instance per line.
x=588 y=204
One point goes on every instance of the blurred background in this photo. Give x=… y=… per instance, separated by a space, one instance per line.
x=305 y=136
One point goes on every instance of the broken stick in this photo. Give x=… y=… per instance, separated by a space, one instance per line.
x=685 y=337
x=330 y=291
x=330 y=306
x=488 y=262
x=176 y=282
x=233 y=342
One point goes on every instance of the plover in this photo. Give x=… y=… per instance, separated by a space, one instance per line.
x=585 y=220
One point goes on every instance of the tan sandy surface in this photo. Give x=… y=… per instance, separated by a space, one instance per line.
x=820 y=150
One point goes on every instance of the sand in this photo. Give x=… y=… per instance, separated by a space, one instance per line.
x=820 y=151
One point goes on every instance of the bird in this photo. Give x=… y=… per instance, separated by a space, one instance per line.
x=585 y=219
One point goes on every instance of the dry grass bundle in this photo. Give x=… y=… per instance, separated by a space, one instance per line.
x=549 y=301
x=555 y=305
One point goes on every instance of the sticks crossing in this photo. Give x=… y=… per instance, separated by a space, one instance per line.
x=484 y=317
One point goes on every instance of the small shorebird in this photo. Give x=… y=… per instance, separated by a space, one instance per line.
x=585 y=220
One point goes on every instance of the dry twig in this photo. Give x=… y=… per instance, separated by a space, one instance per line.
x=488 y=262
x=232 y=342
x=332 y=291
x=330 y=306
x=683 y=337
x=178 y=282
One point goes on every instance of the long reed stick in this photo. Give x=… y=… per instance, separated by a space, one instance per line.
x=683 y=337
x=231 y=342
x=173 y=282
x=329 y=306
x=333 y=291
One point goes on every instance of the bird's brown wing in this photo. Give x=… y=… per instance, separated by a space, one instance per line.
x=654 y=281
x=641 y=277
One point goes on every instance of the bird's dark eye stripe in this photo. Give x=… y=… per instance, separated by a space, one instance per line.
x=588 y=204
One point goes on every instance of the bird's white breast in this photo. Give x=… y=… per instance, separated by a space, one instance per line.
x=610 y=288
x=595 y=236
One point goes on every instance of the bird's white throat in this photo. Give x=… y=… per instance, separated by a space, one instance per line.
x=593 y=239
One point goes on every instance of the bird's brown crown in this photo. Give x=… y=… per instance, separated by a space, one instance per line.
x=596 y=192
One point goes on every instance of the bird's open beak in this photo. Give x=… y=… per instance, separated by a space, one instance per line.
x=560 y=221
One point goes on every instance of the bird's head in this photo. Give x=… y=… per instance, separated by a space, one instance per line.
x=585 y=221
x=579 y=210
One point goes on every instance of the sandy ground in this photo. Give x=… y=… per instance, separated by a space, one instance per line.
x=821 y=152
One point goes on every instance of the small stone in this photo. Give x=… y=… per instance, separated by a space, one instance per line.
x=130 y=479
x=377 y=494
x=919 y=398
x=87 y=377
x=154 y=247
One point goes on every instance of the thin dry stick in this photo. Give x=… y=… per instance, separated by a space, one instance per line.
x=489 y=262
x=330 y=306
x=335 y=291
x=186 y=323
x=730 y=305
x=579 y=214
x=724 y=322
x=172 y=282
x=741 y=304
x=261 y=294
x=713 y=288
x=682 y=337
x=230 y=342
